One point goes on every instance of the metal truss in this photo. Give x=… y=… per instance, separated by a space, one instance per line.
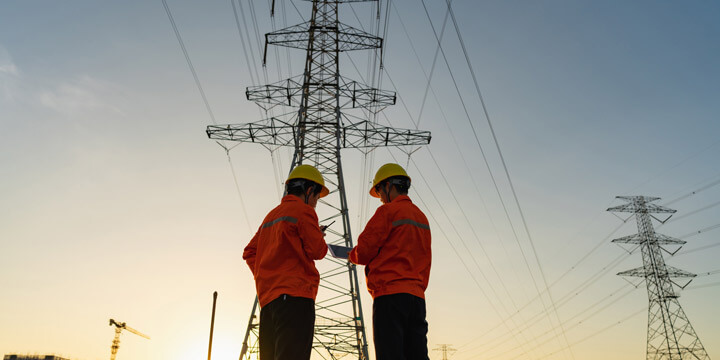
x=318 y=131
x=352 y=94
x=363 y=134
x=670 y=336
x=347 y=37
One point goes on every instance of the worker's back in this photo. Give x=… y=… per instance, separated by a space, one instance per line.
x=395 y=246
x=282 y=251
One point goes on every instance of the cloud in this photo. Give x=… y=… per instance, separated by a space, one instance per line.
x=83 y=95
x=79 y=95
x=6 y=64
x=9 y=69
x=9 y=76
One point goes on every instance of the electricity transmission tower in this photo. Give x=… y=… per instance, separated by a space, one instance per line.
x=670 y=335
x=318 y=130
x=445 y=349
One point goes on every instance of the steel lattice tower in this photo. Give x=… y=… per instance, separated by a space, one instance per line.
x=670 y=335
x=318 y=131
x=445 y=349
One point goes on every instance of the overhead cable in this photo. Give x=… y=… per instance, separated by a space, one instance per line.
x=504 y=164
x=187 y=59
x=487 y=164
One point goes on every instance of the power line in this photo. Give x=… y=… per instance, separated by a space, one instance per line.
x=709 y=273
x=502 y=159
x=597 y=332
x=703 y=286
x=595 y=277
x=694 y=192
x=572 y=293
x=252 y=69
x=187 y=59
x=615 y=262
x=477 y=240
x=662 y=173
x=440 y=171
x=445 y=120
x=693 y=212
x=713 y=227
x=464 y=244
x=457 y=254
x=566 y=298
x=581 y=321
x=499 y=153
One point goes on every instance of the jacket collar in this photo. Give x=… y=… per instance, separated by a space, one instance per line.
x=289 y=198
x=401 y=198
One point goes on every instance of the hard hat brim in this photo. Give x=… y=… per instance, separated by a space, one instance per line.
x=374 y=193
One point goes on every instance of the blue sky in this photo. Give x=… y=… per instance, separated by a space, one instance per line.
x=115 y=204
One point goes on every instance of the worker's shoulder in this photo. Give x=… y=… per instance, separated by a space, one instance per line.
x=403 y=205
x=294 y=206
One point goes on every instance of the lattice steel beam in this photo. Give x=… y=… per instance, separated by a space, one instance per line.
x=363 y=134
x=352 y=93
x=347 y=38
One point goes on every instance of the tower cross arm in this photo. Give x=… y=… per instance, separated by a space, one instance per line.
x=641 y=204
x=271 y=131
x=351 y=38
x=289 y=92
x=295 y=36
x=286 y=92
x=669 y=271
x=362 y=96
x=660 y=239
x=348 y=37
x=365 y=134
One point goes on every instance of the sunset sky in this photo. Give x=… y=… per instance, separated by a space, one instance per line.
x=115 y=204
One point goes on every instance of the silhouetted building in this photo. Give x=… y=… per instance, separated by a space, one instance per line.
x=33 y=357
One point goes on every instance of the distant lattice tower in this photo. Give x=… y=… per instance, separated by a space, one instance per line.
x=318 y=130
x=670 y=336
x=445 y=349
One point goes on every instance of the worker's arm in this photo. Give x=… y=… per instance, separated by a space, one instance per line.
x=250 y=252
x=313 y=238
x=372 y=238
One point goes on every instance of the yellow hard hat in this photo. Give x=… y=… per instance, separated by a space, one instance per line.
x=309 y=172
x=384 y=172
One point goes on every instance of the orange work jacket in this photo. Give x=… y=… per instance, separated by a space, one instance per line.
x=395 y=249
x=281 y=254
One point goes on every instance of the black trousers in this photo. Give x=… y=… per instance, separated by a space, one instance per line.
x=399 y=327
x=286 y=328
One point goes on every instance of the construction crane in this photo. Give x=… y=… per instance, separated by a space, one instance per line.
x=119 y=326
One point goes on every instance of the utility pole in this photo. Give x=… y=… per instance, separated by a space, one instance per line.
x=212 y=325
x=670 y=336
x=318 y=131
x=445 y=348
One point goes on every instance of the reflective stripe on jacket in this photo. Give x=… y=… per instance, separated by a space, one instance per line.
x=281 y=254
x=395 y=249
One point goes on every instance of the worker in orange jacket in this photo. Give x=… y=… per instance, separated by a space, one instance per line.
x=395 y=249
x=282 y=257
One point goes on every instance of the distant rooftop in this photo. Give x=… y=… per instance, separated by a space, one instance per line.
x=33 y=357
